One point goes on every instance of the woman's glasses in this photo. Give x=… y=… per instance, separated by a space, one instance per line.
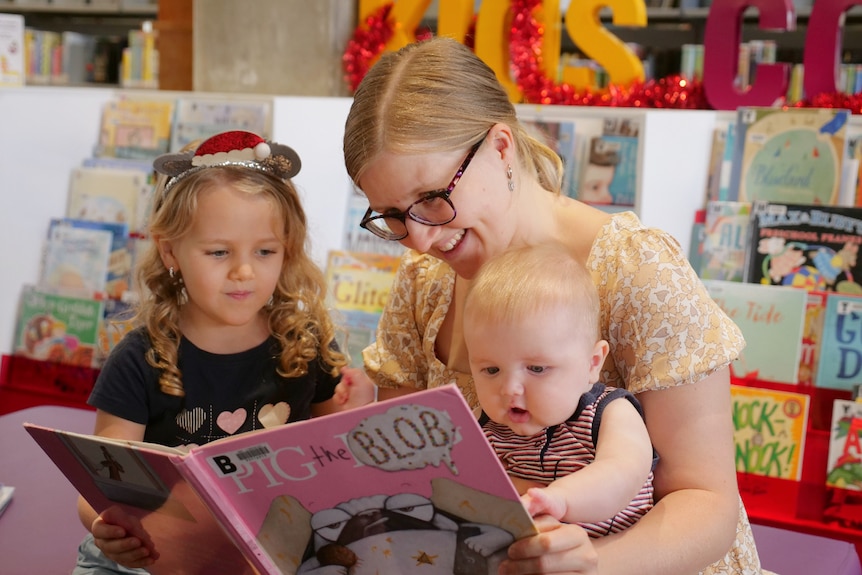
x=434 y=209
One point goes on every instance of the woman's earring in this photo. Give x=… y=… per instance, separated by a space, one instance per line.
x=509 y=175
x=270 y=301
x=171 y=272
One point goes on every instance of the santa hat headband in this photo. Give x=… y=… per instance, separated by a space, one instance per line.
x=235 y=148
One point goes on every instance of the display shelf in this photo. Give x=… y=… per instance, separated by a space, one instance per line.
x=799 y=505
x=25 y=382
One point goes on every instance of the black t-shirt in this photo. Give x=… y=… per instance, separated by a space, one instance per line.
x=224 y=394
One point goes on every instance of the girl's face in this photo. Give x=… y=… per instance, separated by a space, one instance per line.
x=482 y=226
x=230 y=260
x=530 y=374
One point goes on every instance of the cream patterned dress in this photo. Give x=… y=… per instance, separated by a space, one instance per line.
x=661 y=324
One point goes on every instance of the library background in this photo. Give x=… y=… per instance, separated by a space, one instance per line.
x=764 y=194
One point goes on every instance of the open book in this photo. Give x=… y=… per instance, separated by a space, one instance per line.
x=393 y=487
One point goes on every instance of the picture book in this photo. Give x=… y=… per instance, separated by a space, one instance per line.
x=560 y=136
x=408 y=485
x=844 y=465
x=769 y=431
x=725 y=240
x=812 y=335
x=844 y=460
x=358 y=287
x=133 y=128
x=108 y=195
x=119 y=271
x=198 y=118
x=76 y=259
x=792 y=155
x=11 y=50
x=772 y=319
x=610 y=174
x=57 y=328
x=840 y=363
x=716 y=163
x=357 y=239
x=809 y=246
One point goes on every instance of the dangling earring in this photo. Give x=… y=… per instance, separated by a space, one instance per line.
x=509 y=175
x=171 y=272
x=270 y=301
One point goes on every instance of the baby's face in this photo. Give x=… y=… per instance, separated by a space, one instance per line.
x=530 y=374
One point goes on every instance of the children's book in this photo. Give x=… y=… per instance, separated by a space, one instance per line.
x=809 y=246
x=840 y=362
x=76 y=259
x=769 y=431
x=771 y=319
x=812 y=335
x=11 y=50
x=138 y=129
x=57 y=328
x=119 y=270
x=147 y=188
x=562 y=137
x=610 y=174
x=358 y=287
x=844 y=465
x=408 y=485
x=108 y=195
x=716 y=162
x=198 y=118
x=844 y=462
x=358 y=239
x=725 y=240
x=792 y=155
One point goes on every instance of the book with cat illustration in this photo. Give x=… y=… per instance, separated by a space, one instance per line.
x=399 y=486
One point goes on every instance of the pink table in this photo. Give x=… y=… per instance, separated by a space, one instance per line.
x=40 y=530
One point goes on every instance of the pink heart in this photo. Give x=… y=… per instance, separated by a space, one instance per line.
x=230 y=422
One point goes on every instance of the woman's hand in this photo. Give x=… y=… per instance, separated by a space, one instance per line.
x=122 y=538
x=558 y=548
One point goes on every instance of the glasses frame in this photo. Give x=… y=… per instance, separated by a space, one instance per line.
x=402 y=216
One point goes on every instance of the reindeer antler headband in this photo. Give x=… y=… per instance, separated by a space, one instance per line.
x=236 y=148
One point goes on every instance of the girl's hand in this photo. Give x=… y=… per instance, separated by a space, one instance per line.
x=354 y=390
x=558 y=548
x=129 y=546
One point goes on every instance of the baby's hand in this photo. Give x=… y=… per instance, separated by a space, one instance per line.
x=541 y=501
x=122 y=539
x=355 y=388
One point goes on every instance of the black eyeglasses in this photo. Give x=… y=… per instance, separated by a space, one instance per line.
x=434 y=209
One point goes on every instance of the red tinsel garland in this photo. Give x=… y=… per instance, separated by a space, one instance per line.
x=366 y=44
x=674 y=91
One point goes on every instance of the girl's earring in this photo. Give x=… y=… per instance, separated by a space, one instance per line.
x=271 y=301
x=508 y=175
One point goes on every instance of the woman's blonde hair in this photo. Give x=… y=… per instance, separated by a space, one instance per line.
x=297 y=317
x=435 y=96
x=522 y=281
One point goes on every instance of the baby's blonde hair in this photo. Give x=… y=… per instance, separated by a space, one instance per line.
x=435 y=96
x=297 y=318
x=522 y=281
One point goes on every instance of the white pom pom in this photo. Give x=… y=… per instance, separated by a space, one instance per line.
x=262 y=151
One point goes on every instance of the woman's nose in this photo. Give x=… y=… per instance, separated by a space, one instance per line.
x=419 y=236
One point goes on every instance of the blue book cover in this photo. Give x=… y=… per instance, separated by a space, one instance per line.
x=118 y=279
x=840 y=362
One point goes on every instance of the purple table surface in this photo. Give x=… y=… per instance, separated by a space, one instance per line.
x=40 y=530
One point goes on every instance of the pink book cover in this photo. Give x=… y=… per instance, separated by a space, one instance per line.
x=394 y=487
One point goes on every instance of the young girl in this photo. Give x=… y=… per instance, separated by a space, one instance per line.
x=232 y=331
x=571 y=448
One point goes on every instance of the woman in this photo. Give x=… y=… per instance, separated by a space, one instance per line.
x=433 y=109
